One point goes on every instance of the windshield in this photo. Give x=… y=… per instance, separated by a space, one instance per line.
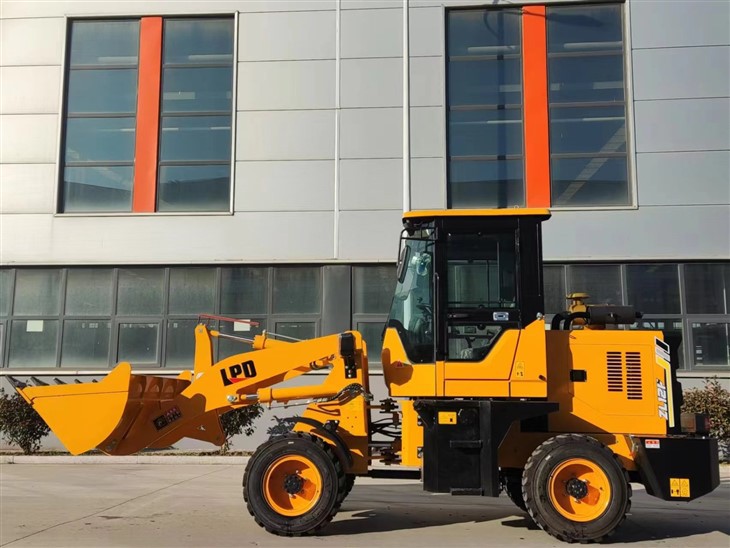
x=412 y=310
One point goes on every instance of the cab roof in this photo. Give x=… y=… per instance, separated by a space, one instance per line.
x=505 y=212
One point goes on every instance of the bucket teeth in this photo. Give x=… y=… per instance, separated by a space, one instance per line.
x=38 y=382
x=16 y=383
x=58 y=381
x=77 y=381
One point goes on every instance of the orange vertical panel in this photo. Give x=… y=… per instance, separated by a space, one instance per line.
x=535 y=100
x=144 y=193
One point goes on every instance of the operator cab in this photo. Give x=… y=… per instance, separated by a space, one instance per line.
x=464 y=278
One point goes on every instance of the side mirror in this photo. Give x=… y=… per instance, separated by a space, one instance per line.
x=405 y=257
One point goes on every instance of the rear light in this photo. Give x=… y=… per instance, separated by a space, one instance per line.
x=695 y=423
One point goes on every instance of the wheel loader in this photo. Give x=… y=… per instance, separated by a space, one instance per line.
x=483 y=397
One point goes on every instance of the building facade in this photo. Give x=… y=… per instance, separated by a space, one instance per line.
x=252 y=159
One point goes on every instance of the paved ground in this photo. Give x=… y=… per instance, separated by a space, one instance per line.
x=200 y=505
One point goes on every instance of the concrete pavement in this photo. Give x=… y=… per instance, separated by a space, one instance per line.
x=195 y=505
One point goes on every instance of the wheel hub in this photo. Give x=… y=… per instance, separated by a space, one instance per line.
x=576 y=488
x=293 y=484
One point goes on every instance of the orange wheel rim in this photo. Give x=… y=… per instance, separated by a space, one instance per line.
x=579 y=490
x=292 y=485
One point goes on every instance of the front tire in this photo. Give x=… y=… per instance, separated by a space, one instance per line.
x=576 y=489
x=293 y=485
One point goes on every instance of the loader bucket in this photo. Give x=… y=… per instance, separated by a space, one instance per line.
x=121 y=414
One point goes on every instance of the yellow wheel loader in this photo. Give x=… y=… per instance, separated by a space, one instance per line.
x=483 y=397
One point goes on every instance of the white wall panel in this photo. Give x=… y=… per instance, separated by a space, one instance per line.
x=369 y=235
x=428 y=184
x=682 y=125
x=245 y=237
x=31 y=41
x=687 y=178
x=371 y=33
x=669 y=23
x=427 y=81
x=427 y=132
x=371 y=184
x=286 y=85
x=426 y=31
x=285 y=186
x=286 y=36
x=286 y=135
x=679 y=73
x=30 y=90
x=371 y=133
x=28 y=138
x=27 y=188
x=372 y=82
x=647 y=233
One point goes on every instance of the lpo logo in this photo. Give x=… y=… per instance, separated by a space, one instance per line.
x=238 y=372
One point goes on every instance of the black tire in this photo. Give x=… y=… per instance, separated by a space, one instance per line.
x=554 y=459
x=324 y=506
x=511 y=479
x=349 y=484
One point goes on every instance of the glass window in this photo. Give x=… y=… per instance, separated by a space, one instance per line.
x=707 y=288
x=484 y=108
x=100 y=139
x=104 y=43
x=297 y=290
x=192 y=290
x=373 y=289
x=33 y=343
x=198 y=41
x=37 y=293
x=653 y=288
x=554 y=284
x=91 y=91
x=180 y=344
x=711 y=344
x=89 y=292
x=589 y=165
x=138 y=343
x=228 y=347
x=140 y=291
x=297 y=330
x=85 y=343
x=191 y=138
x=97 y=188
x=244 y=290
x=372 y=332
x=201 y=89
x=6 y=288
x=601 y=282
x=194 y=188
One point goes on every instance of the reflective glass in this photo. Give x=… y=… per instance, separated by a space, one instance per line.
x=197 y=89
x=584 y=28
x=189 y=138
x=297 y=290
x=485 y=132
x=138 y=343
x=653 y=288
x=180 y=344
x=372 y=332
x=670 y=327
x=97 y=188
x=104 y=42
x=194 y=188
x=483 y=32
x=589 y=182
x=711 y=344
x=491 y=82
x=586 y=79
x=85 y=343
x=37 y=292
x=102 y=91
x=373 y=289
x=140 y=291
x=486 y=184
x=6 y=288
x=192 y=290
x=228 y=347
x=297 y=330
x=89 y=292
x=244 y=290
x=198 y=41
x=33 y=343
x=707 y=288
x=554 y=284
x=601 y=282
x=587 y=129
x=100 y=139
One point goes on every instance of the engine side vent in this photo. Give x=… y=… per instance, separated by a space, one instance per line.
x=633 y=376
x=614 y=365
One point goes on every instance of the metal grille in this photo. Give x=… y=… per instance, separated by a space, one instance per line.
x=615 y=372
x=633 y=376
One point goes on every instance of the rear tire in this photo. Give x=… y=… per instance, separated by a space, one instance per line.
x=293 y=485
x=576 y=489
x=511 y=479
